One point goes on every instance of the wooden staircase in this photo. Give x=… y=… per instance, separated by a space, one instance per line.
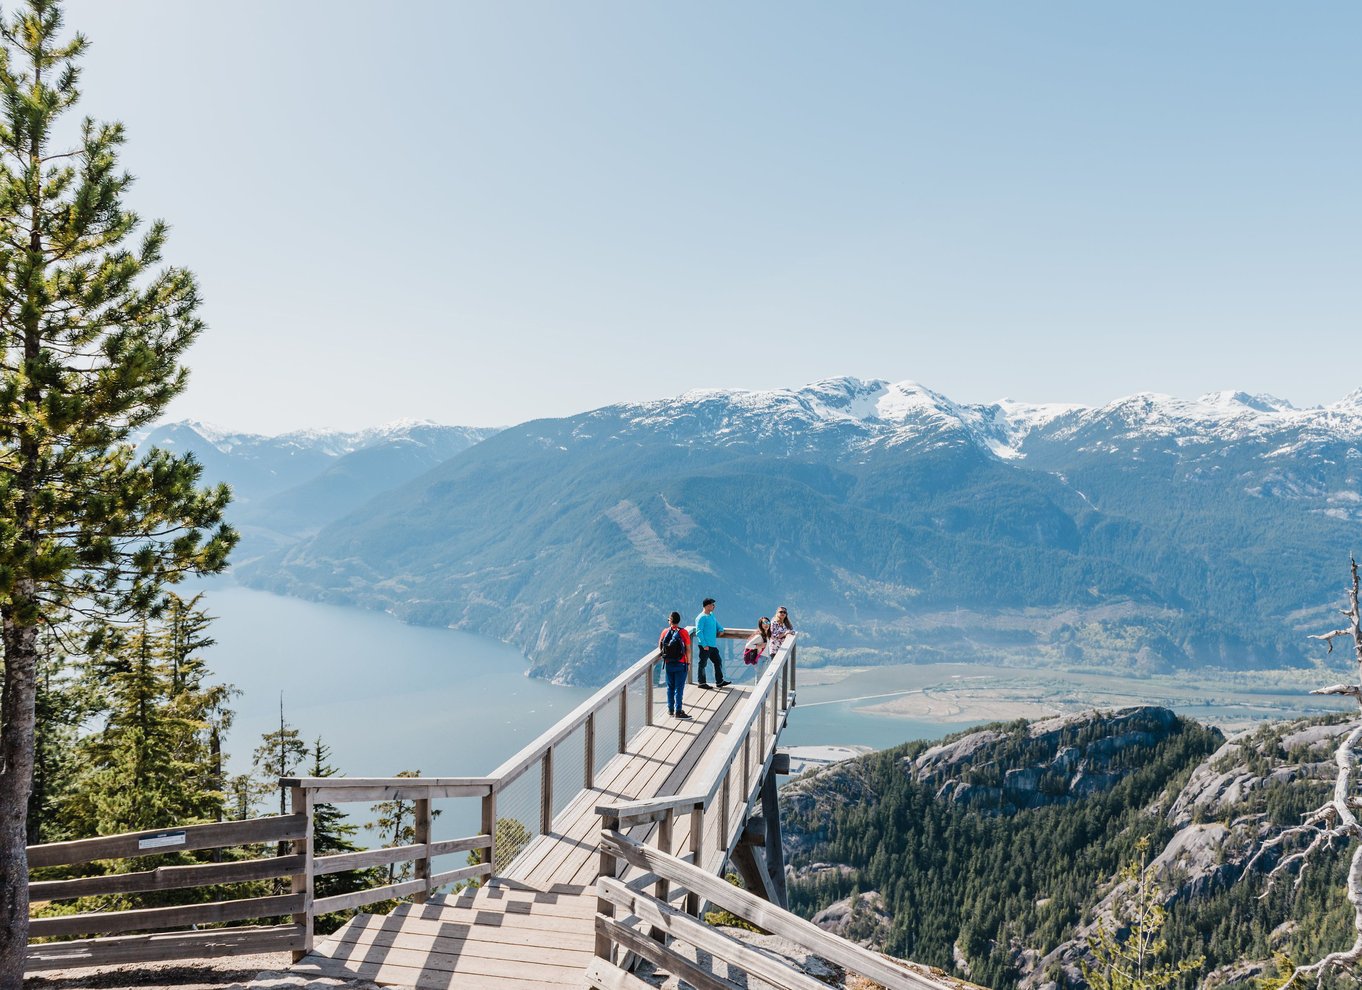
x=503 y=935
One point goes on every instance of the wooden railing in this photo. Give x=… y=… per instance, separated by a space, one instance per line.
x=642 y=924
x=292 y=829
x=628 y=696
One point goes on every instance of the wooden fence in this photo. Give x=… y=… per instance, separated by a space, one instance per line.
x=293 y=829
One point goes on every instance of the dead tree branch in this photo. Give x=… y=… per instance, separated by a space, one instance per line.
x=1334 y=820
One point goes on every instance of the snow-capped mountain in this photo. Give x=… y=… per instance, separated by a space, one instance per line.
x=1150 y=532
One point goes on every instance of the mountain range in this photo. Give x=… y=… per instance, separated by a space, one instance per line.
x=897 y=524
x=289 y=486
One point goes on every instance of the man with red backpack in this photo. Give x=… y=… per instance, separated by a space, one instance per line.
x=674 y=646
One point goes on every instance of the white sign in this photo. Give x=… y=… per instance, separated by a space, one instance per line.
x=162 y=839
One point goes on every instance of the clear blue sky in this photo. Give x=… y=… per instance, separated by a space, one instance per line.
x=485 y=212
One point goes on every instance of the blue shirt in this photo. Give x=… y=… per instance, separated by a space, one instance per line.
x=707 y=630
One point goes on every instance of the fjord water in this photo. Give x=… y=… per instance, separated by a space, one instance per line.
x=383 y=695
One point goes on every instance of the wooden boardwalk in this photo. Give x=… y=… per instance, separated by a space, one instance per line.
x=533 y=924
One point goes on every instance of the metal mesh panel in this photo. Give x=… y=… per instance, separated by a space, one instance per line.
x=517 y=815
x=569 y=765
x=607 y=733
x=638 y=700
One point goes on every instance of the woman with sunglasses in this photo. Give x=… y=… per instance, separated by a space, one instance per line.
x=781 y=626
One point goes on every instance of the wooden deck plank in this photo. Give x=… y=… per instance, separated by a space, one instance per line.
x=408 y=976
x=637 y=775
x=688 y=746
x=367 y=960
x=550 y=948
x=674 y=781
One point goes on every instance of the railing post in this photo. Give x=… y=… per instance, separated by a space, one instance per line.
x=663 y=888
x=793 y=647
x=546 y=793
x=724 y=798
x=697 y=847
x=624 y=719
x=589 y=751
x=302 y=883
x=489 y=827
x=648 y=701
x=785 y=685
x=747 y=764
x=421 y=836
x=608 y=868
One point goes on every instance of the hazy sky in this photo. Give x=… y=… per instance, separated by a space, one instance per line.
x=482 y=213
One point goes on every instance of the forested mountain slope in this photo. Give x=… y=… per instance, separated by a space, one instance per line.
x=991 y=854
x=897 y=524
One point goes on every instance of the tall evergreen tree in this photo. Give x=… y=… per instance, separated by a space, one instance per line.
x=156 y=759
x=92 y=332
x=63 y=702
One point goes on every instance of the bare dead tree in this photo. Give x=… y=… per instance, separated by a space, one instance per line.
x=1336 y=819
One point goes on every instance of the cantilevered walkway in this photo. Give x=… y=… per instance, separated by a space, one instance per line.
x=601 y=844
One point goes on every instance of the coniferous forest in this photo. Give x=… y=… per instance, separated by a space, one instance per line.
x=989 y=890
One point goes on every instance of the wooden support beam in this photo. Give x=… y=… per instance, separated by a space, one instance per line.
x=697 y=850
x=775 y=852
x=748 y=860
x=489 y=828
x=624 y=719
x=546 y=792
x=609 y=867
x=301 y=883
x=421 y=833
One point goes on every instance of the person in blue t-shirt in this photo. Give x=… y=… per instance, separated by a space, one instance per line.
x=707 y=631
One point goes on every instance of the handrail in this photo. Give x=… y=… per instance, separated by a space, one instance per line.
x=629 y=901
x=564 y=727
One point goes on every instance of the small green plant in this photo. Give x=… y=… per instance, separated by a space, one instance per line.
x=727 y=919
x=1126 y=951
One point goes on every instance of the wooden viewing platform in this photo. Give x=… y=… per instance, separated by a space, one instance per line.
x=601 y=843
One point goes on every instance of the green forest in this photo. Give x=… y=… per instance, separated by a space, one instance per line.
x=996 y=883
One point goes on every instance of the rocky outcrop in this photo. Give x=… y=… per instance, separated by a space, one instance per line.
x=1052 y=761
x=863 y=919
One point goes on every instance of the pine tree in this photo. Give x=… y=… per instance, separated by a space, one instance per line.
x=63 y=702
x=280 y=754
x=92 y=335
x=1126 y=951
x=154 y=761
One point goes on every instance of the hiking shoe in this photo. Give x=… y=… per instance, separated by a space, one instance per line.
x=703 y=686
x=681 y=715
x=724 y=683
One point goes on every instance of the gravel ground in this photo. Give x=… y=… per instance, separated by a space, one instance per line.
x=257 y=972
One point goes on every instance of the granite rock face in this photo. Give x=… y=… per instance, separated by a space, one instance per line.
x=1052 y=761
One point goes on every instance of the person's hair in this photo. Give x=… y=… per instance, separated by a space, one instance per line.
x=789 y=622
x=675 y=618
x=764 y=627
x=707 y=601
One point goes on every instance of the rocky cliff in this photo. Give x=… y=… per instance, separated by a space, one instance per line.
x=1067 y=798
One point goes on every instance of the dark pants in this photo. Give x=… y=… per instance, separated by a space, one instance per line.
x=710 y=653
x=676 y=685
